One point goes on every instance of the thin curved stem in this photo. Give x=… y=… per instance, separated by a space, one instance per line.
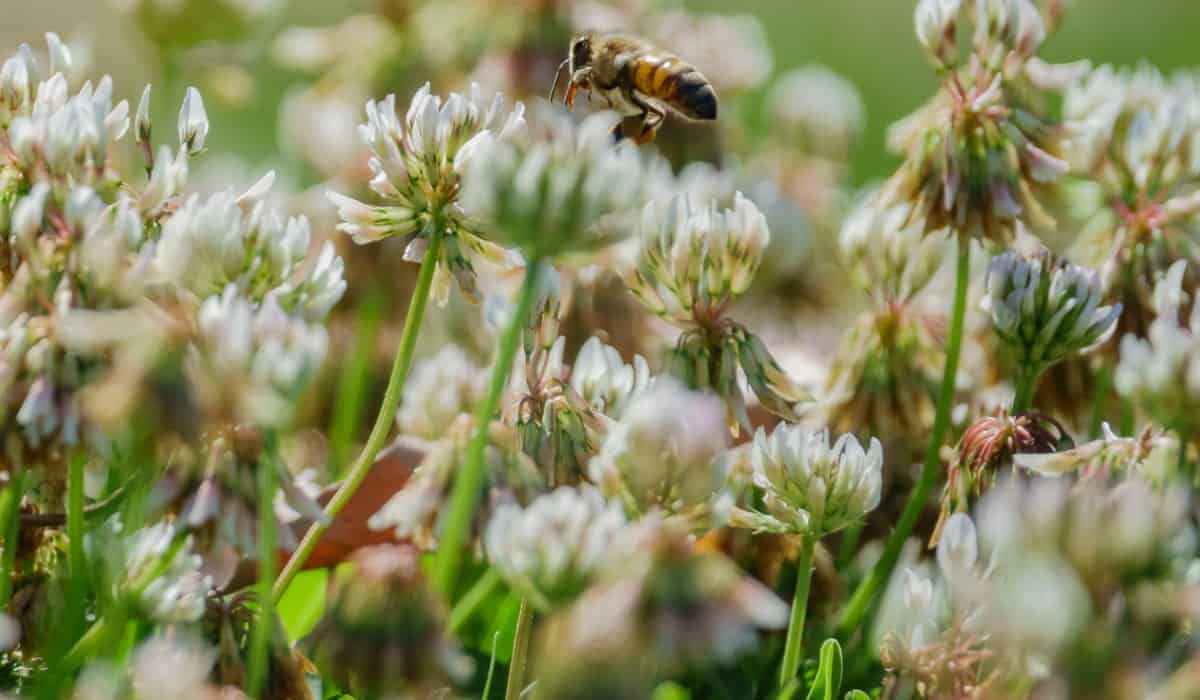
x=383 y=421
x=860 y=603
x=795 y=633
x=469 y=481
x=516 y=667
x=260 y=638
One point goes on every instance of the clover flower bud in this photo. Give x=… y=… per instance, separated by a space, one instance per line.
x=28 y=213
x=552 y=549
x=383 y=633
x=60 y=54
x=1044 y=310
x=811 y=488
x=662 y=452
x=936 y=23
x=141 y=122
x=15 y=91
x=603 y=379
x=193 y=122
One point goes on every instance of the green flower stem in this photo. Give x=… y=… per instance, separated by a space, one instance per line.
x=795 y=633
x=520 y=653
x=1027 y=379
x=76 y=560
x=472 y=599
x=1102 y=386
x=260 y=638
x=10 y=511
x=383 y=421
x=860 y=603
x=465 y=496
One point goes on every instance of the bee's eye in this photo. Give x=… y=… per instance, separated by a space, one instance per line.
x=581 y=52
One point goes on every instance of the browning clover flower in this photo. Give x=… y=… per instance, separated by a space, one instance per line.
x=1045 y=309
x=988 y=445
x=551 y=550
x=663 y=452
x=978 y=156
x=416 y=166
x=548 y=190
x=1133 y=133
x=809 y=487
x=692 y=263
x=1161 y=373
x=383 y=632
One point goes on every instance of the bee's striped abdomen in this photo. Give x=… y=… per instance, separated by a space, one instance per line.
x=679 y=84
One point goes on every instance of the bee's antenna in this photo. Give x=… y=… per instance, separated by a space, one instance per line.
x=557 y=75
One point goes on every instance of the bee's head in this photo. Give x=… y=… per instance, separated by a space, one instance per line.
x=581 y=52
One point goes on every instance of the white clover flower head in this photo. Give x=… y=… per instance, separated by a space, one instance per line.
x=663 y=452
x=417 y=164
x=179 y=590
x=603 y=379
x=549 y=189
x=820 y=110
x=811 y=487
x=552 y=549
x=193 y=122
x=249 y=361
x=958 y=549
x=888 y=249
x=694 y=259
x=441 y=388
x=1045 y=310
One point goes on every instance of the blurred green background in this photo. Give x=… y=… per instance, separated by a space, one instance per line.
x=869 y=41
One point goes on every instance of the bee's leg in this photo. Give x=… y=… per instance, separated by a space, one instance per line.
x=652 y=118
x=569 y=97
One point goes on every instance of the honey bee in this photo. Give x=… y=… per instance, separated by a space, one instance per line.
x=637 y=80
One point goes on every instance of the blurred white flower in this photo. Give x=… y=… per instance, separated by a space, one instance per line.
x=817 y=109
x=439 y=390
x=888 y=250
x=662 y=452
x=552 y=549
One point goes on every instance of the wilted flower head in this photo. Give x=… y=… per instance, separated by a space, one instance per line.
x=1133 y=135
x=1044 y=310
x=382 y=633
x=552 y=549
x=1161 y=373
x=548 y=189
x=986 y=447
x=416 y=167
x=810 y=487
x=979 y=156
x=154 y=567
x=667 y=605
x=662 y=452
x=817 y=111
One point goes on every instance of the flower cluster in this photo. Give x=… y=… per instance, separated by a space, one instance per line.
x=416 y=166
